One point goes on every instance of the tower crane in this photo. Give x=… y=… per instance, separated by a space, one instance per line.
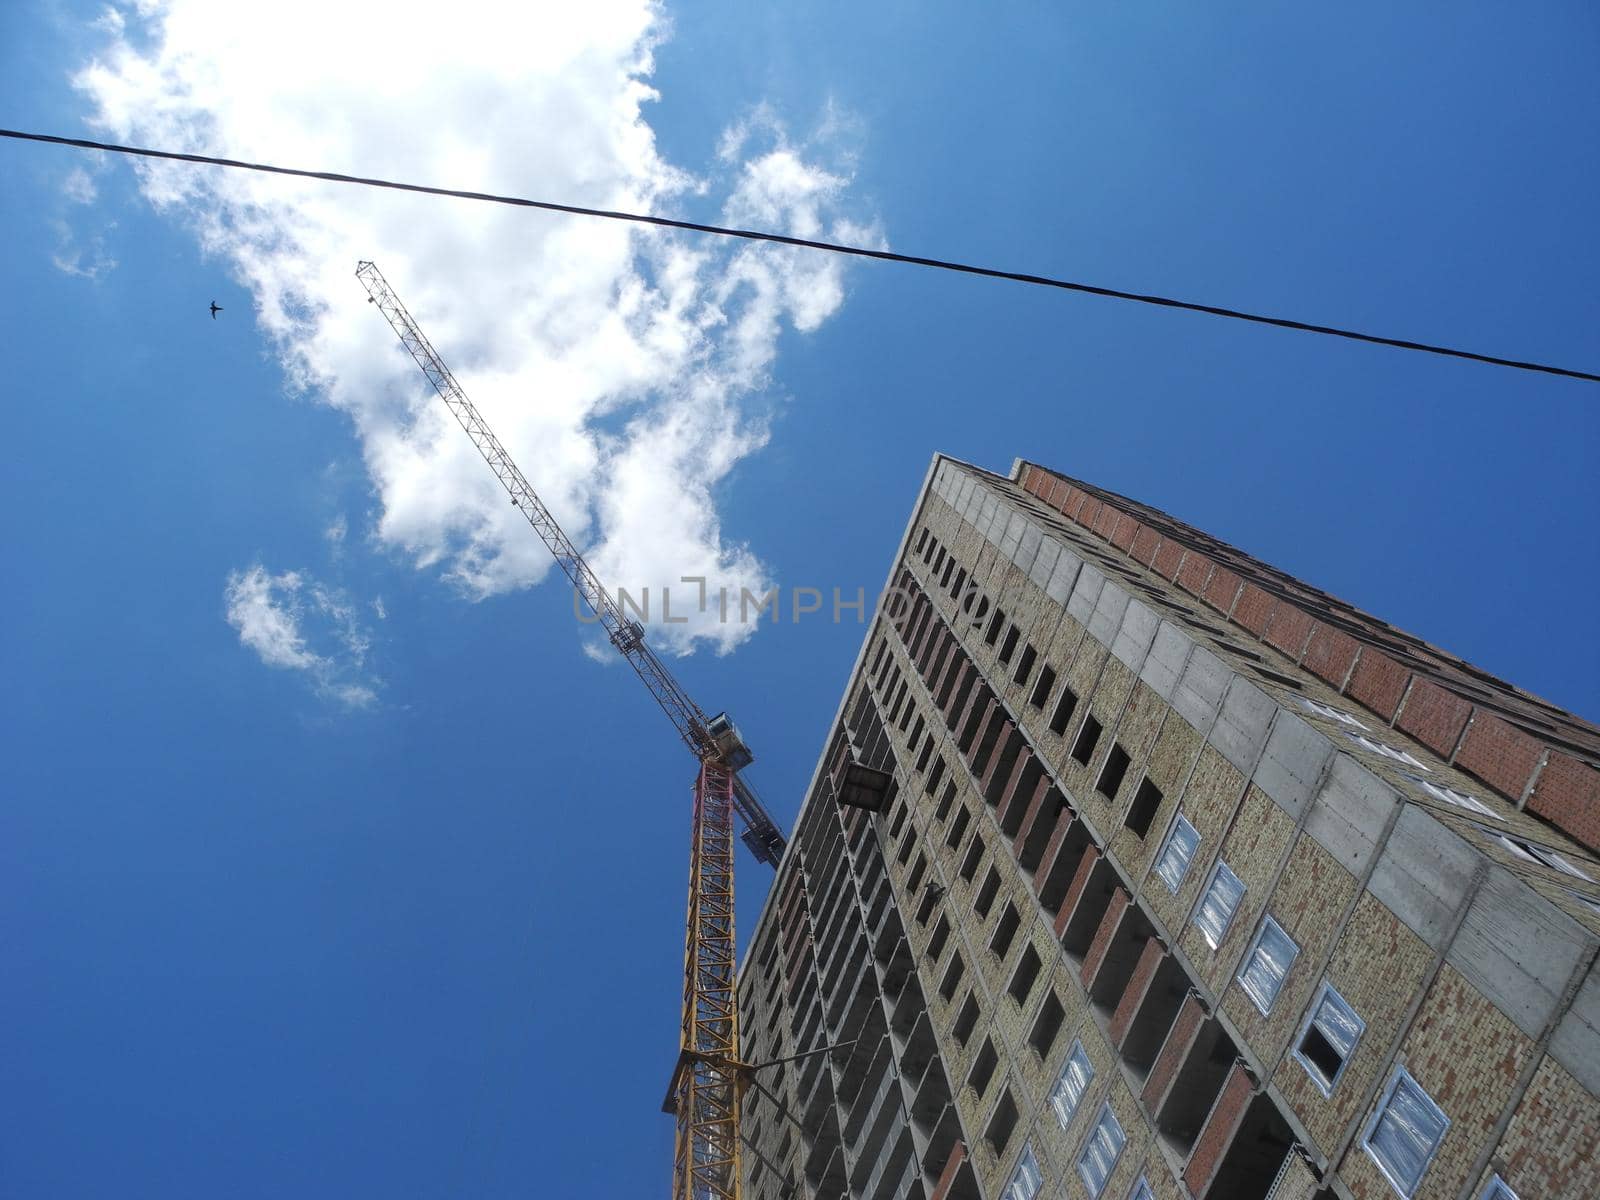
x=708 y=1080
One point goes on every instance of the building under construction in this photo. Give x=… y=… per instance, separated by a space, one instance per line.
x=1135 y=868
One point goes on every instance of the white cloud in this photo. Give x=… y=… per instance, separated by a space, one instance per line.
x=599 y=652
x=79 y=186
x=298 y=624
x=84 y=259
x=626 y=369
x=335 y=533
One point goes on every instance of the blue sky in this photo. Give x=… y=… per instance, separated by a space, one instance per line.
x=264 y=939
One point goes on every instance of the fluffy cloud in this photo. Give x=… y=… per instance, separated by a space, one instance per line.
x=297 y=624
x=626 y=369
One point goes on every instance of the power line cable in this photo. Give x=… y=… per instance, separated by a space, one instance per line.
x=811 y=244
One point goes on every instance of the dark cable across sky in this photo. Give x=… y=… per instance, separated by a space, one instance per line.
x=810 y=244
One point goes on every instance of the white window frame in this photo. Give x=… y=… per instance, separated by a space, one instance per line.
x=1542 y=855
x=1384 y=750
x=1399 y=1077
x=1076 y=1054
x=1497 y=1189
x=1180 y=822
x=1264 y=1003
x=1026 y=1180
x=1211 y=883
x=1460 y=799
x=1121 y=1139
x=1325 y=1085
x=1333 y=714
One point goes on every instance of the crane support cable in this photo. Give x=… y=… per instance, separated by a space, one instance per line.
x=812 y=244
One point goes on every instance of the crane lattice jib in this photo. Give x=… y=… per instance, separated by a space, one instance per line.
x=762 y=836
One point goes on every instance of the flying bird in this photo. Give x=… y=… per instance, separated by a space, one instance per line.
x=215 y=309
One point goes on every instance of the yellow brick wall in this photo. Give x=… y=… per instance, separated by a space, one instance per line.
x=1377 y=966
x=1308 y=902
x=1466 y=1054
x=1550 y=1147
x=1208 y=801
x=1253 y=849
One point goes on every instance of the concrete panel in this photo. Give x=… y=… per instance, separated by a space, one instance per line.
x=990 y=517
x=1576 y=1044
x=1028 y=549
x=1350 y=812
x=1423 y=874
x=1199 y=692
x=1086 y=593
x=1044 y=563
x=1169 y=654
x=1012 y=537
x=1292 y=764
x=1064 y=578
x=1108 y=609
x=1240 y=733
x=1132 y=643
x=1518 y=949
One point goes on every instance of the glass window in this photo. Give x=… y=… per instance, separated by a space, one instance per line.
x=1141 y=1190
x=1267 y=963
x=1101 y=1151
x=1405 y=1132
x=1076 y=1076
x=1540 y=854
x=1330 y=712
x=1177 y=854
x=1386 y=751
x=1498 y=1189
x=1219 y=904
x=1329 y=1038
x=1025 y=1180
x=1460 y=799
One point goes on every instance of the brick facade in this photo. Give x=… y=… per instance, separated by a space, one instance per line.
x=1356 y=656
x=1047 y=703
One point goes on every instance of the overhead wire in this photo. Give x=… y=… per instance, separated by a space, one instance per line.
x=755 y=235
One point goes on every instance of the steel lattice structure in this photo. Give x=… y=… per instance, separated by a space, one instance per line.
x=761 y=834
x=708 y=1081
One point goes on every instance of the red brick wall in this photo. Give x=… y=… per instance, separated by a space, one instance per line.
x=1109 y=924
x=947 y=1177
x=1217 y=1136
x=1180 y=1039
x=1080 y=881
x=1133 y=995
x=1429 y=695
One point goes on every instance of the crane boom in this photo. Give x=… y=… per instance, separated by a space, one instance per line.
x=708 y=1081
x=761 y=835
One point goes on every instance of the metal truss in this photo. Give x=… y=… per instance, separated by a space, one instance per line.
x=709 y=1083
x=762 y=836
